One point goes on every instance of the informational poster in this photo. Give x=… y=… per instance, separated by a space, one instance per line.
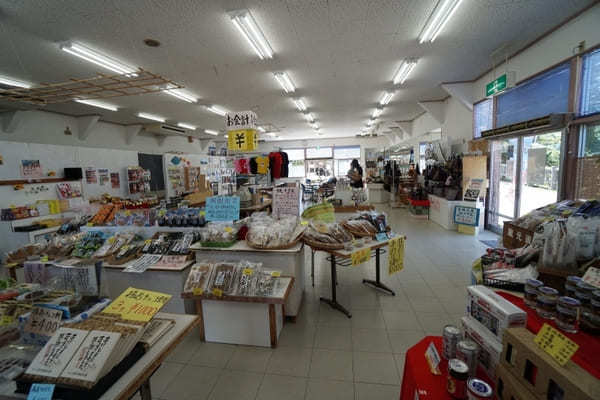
x=466 y=215
x=473 y=190
x=115 y=180
x=242 y=140
x=240 y=120
x=43 y=321
x=222 y=208
x=103 y=176
x=396 y=256
x=137 y=304
x=90 y=175
x=286 y=201
x=82 y=278
x=31 y=169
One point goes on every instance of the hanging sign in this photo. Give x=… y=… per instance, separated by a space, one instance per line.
x=360 y=256
x=557 y=345
x=496 y=86
x=286 y=201
x=466 y=215
x=396 y=256
x=240 y=120
x=137 y=304
x=242 y=140
x=222 y=208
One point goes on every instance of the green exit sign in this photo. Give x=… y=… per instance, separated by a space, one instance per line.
x=496 y=86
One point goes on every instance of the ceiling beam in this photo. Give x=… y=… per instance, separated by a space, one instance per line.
x=11 y=120
x=85 y=125
x=436 y=108
x=406 y=127
x=462 y=91
x=131 y=131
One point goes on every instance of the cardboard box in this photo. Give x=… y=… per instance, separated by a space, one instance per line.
x=508 y=387
x=490 y=348
x=495 y=312
x=541 y=374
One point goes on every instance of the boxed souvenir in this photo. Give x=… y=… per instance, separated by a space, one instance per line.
x=490 y=348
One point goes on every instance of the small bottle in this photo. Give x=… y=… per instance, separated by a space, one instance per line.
x=567 y=314
x=571 y=285
x=546 y=302
x=531 y=292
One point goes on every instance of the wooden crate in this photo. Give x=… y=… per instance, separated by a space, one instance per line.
x=508 y=387
x=514 y=236
x=541 y=374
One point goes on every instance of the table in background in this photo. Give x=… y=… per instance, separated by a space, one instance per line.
x=246 y=211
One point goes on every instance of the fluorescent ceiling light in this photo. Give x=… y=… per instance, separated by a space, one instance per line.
x=285 y=82
x=438 y=19
x=5 y=80
x=186 y=126
x=300 y=104
x=385 y=99
x=99 y=104
x=153 y=117
x=404 y=70
x=369 y=123
x=81 y=51
x=212 y=132
x=309 y=117
x=376 y=113
x=182 y=95
x=247 y=26
x=217 y=110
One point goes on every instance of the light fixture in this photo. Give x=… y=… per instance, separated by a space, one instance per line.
x=186 y=126
x=217 y=110
x=438 y=19
x=5 y=80
x=315 y=126
x=405 y=67
x=369 y=123
x=182 y=95
x=81 y=51
x=212 y=132
x=99 y=104
x=309 y=117
x=376 y=113
x=385 y=99
x=300 y=104
x=284 y=81
x=247 y=26
x=153 y=117
x=261 y=129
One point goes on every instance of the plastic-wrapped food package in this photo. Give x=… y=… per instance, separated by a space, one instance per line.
x=269 y=232
x=224 y=277
x=265 y=284
x=199 y=277
x=218 y=233
x=332 y=233
x=248 y=277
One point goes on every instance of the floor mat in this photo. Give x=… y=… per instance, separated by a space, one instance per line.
x=490 y=243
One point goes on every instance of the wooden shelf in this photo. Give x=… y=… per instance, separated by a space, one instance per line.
x=34 y=181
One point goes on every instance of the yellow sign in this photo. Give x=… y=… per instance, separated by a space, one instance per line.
x=396 y=256
x=242 y=140
x=197 y=291
x=276 y=274
x=557 y=345
x=248 y=271
x=217 y=292
x=137 y=304
x=360 y=256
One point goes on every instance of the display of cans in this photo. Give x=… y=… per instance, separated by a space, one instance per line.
x=458 y=373
x=468 y=351
x=450 y=338
x=478 y=389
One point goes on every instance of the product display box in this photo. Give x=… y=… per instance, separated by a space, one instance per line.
x=541 y=374
x=490 y=348
x=509 y=387
x=495 y=312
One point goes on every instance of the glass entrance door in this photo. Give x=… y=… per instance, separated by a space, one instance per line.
x=503 y=182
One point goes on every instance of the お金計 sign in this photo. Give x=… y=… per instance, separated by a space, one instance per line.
x=286 y=201
x=240 y=120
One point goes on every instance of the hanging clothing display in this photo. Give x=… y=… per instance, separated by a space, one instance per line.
x=242 y=166
x=275 y=162
x=253 y=166
x=262 y=164
x=285 y=162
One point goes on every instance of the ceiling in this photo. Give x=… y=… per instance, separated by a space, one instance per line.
x=341 y=54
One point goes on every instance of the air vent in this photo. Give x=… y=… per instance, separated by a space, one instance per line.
x=165 y=129
x=552 y=121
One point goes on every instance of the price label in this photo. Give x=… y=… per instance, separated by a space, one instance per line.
x=41 y=391
x=148 y=241
x=276 y=274
x=6 y=320
x=381 y=236
x=433 y=359
x=202 y=213
x=217 y=292
x=228 y=229
x=137 y=304
x=303 y=222
x=127 y=213
x=89 y=224
x=198 y=291
x=361 y=256
x=11 y=265
x=557 y=345
x=248 y=271
x=125 y=248
x=162 y=213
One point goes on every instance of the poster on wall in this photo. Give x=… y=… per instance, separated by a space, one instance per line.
x=103 y=176
x=90 y=175
x=115 y=180
x=31 y=169
x=466 y=215
x=286 y=201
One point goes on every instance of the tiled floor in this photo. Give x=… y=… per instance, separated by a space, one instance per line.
x=325 y=355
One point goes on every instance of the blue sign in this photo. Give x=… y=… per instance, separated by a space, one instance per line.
x=222 y=208
x=40 y=391
x=466 y=215
x=381 y=236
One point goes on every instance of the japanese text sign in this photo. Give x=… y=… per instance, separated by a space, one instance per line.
x=41 y=391
x=43 y=321
x=396 y=256
x=557 y=345
x=222 y=208
x=137 y=304
x=360 y=256
x=286 y=201
x=592 y=277
x=466 y=215
x=240 y=120
x=242 y=140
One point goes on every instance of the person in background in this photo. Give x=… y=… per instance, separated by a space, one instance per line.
x=355 y=174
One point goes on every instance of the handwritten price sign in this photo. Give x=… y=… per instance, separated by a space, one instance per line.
x=361 y=256
x=557 y=345
x=137 y=304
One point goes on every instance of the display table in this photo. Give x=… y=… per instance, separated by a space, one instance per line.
x=289 y=261
x=441 y=211
x=248 y=320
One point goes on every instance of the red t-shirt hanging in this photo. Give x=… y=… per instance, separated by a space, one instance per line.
x=275 y=161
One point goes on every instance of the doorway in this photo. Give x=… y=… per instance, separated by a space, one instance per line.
x=524 y=175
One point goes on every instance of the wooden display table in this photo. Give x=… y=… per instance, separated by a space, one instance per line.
x=249 y=320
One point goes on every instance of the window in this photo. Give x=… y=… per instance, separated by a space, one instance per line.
x=590 y=84
x=482 y=117
x=342 y=167
x=545 y=94
x=590 y=140
x=297 y=168
x=319 y=152
x=343 y=157
x=422 y=157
